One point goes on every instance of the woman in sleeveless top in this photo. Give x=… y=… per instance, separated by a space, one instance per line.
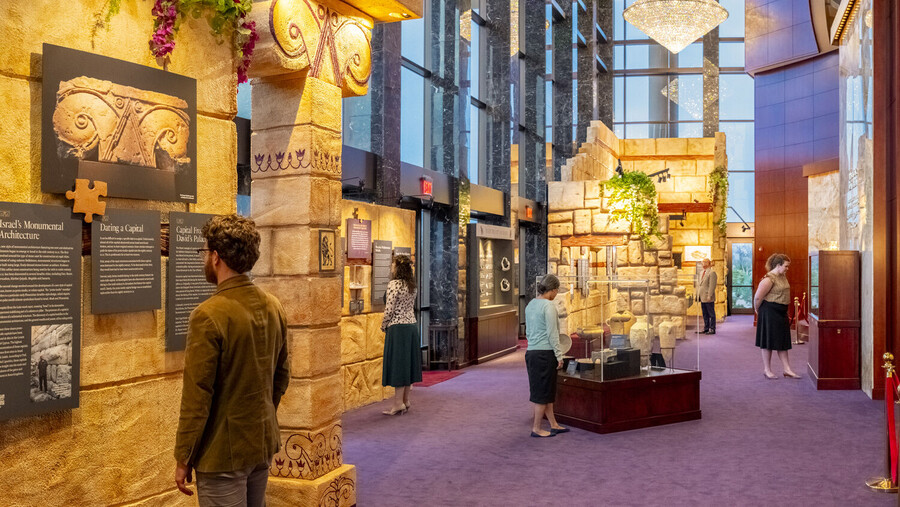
x=773 y=329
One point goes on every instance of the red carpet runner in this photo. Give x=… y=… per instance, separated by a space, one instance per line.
x=430 y=378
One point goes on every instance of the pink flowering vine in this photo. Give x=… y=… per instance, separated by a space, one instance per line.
x=162 y=43
x=247 y=49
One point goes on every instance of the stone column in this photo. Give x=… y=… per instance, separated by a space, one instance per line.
x=309 y=57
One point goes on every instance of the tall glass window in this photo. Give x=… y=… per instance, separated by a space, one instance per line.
x=412 y=118
x=658 y=94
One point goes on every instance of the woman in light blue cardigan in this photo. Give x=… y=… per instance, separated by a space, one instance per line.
x=544 y=355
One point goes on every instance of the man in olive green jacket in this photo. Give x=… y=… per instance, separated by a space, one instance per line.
x=236 y=369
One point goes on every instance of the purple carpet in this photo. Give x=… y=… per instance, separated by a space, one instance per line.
x=760 y=442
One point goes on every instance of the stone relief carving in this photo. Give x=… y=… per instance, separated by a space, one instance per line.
x=296 y=161
x=338 y=493
x=309 y=455
x=107 y=122
x=334 y=47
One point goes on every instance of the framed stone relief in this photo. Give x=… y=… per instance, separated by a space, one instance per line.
x=326 y=251
x=131 y=126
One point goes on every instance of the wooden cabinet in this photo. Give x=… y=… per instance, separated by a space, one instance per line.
x=834 y=319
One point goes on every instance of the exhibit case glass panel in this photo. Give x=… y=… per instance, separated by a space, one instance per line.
x=495 y=273
x=814 y=284
x=615 y=328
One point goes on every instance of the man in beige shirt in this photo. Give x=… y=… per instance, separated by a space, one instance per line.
x=236 y=369
x=706 y=294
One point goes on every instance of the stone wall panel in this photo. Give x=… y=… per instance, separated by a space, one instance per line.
x=310 y=403
x=315 y=352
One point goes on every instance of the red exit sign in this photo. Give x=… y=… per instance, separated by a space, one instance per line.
x=427 y=186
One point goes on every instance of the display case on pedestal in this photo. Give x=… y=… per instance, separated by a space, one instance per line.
x=834 y=319
x=623 y=372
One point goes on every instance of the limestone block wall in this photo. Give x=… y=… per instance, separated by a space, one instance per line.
x=116 y=448
x=690 y=161
x=362 y=341
x=578 y=210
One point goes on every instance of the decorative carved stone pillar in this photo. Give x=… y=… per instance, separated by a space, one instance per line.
x=310 y=55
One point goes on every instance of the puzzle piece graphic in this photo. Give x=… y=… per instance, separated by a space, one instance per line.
x=87 y=199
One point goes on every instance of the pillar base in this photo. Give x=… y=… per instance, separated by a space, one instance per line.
x=334 y=489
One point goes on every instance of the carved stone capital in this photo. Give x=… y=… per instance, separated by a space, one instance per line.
x=325 y=39
x=308 y=454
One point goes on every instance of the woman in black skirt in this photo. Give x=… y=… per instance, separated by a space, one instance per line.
x=402 y=359
x=543 y=356
x=773 y=329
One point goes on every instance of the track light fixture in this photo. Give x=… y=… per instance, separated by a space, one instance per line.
x=661 y=176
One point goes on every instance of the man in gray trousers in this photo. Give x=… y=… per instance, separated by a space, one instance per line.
x=706 y=294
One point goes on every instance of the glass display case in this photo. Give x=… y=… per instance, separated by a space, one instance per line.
x=620 y=328
x=633 y=355
x=492 y=322
x=495 y=273
x=814 y=284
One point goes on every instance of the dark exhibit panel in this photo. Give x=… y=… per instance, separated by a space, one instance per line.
x=834 y=320
x=40 y=309
x=125 y=262
x=186 y=285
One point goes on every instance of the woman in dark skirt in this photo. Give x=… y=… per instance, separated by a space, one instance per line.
x=402 y=359
x=544 y=355
x=773 y=328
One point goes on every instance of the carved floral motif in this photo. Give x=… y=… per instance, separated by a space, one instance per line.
x=282 y=161
x=339 y=489
x=104 y=121
x=309 y=455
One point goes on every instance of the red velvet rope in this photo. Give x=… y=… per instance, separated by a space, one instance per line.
x=891 y=384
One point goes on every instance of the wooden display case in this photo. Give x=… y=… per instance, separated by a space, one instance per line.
x=652 y=398
x=834 y=319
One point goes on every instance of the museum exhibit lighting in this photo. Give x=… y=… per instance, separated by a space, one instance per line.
x=675 y=24
x=661 y=176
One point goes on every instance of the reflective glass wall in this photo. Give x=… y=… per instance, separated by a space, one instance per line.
x=660 y=94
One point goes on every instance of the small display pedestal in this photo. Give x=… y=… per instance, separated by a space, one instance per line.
x=653 y=398
x=834 y=319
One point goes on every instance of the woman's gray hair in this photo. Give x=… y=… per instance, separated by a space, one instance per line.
x=548 y=283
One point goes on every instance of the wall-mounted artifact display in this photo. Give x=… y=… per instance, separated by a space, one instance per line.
x=133 y=127
x=125 y=262
x=186 y=283
x=697 y=253
x=492 y=326
x=359 y=238
x=40 y=309
x=327 y=251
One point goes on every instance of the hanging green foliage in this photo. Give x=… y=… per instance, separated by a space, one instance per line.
x=718 y=192
x=632 y=197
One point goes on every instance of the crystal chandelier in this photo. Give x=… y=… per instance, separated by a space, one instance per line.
x=675 y=24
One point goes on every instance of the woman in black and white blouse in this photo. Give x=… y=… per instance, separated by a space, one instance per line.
x=402 y=356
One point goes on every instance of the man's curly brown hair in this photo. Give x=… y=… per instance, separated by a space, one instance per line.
x=236 y=240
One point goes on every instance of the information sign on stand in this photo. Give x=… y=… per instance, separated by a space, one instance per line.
x=381 y=270
x=125 y=262
x=186 y=285
x=359 y=238
x=40 y=309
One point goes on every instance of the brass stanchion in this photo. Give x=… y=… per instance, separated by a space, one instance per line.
x=796 y=340
x=886 y=484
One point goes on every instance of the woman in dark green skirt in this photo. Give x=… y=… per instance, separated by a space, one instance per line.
x=402 y=359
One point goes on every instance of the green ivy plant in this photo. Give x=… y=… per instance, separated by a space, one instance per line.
x=718 y=192
x=632 y=197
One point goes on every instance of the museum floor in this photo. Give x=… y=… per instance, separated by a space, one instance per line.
x=465 y=442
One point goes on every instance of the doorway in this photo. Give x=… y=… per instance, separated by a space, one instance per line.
x=740 y=276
